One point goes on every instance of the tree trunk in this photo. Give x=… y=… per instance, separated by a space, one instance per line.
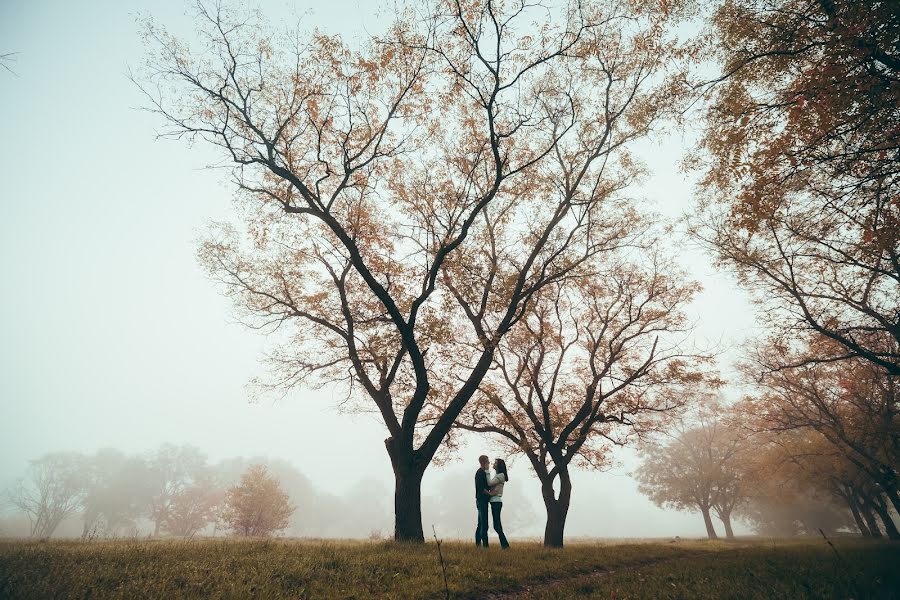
x=39 y=525
x=557 y=508
x=726 y=521
x=889 y=526
x=407 y=493
x=893 y=496
x=408 y=508
x=866 y=510
x=857 y=518
x=881 y=508
x=707 y=520
x=90 y=519
x=409 y=464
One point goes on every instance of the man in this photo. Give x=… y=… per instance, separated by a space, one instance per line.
x=482 y=499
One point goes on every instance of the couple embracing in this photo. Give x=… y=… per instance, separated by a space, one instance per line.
x=489 y=493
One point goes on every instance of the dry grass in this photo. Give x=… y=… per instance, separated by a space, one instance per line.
x=323 y=569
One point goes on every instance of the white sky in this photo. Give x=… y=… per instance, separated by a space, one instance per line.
x=111 y=334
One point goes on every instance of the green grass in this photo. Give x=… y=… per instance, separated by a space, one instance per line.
x=318 y=569
x=792 y=571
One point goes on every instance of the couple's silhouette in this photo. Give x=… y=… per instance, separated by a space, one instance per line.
x=489 y=493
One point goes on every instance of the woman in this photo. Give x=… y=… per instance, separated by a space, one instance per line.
x=496 y=491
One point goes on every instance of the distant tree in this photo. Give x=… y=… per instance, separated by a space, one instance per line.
x=465 y=147
x=800 y=157
x=852 y=403
x=835 y=427
x=699 y=468
x=790 y=511
x=257 y=507
x=796 y=482
x=172 y=470
x=193 y=508
x=731 y=489
x=296 y=485
x=594 y=362
x=116 y=491
x=51 y=490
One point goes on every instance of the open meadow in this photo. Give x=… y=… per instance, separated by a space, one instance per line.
x=283 y=279
x=344 y=569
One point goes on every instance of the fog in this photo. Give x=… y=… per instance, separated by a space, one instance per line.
x=350 y=504
x=111 y=335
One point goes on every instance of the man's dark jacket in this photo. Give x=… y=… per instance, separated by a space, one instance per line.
x=481 y=485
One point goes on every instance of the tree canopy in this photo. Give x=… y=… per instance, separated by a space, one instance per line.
x=799 y=158
x=418 y=189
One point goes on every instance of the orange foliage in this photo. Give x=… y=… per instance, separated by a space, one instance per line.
x=257 y=507
x=406 y=197
x=800 y=158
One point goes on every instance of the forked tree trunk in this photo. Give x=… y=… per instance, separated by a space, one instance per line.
x=557 y=508
x=409 y=464
x=726 y=521
x=707 y=520
x=407 y=493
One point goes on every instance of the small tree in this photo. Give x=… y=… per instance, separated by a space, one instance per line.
x=51 y=491
x=257 y=507
x=295 y=484
x=173 y=469
x=117 y=492
x=193 y=508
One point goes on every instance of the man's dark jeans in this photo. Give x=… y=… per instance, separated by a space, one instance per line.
x=481 y=529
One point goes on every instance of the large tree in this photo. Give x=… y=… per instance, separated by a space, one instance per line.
x=373 y=177
x=800 y=158
x=597 y=362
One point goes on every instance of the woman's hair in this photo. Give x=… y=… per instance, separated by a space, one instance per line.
x=501 y=468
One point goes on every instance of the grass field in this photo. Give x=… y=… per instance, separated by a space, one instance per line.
x=319 y=569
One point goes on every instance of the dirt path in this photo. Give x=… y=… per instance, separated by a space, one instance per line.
x=550 y=584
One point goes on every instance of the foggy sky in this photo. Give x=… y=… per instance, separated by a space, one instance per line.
x=112 y=335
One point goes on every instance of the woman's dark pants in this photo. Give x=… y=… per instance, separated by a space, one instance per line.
x=496 y=507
